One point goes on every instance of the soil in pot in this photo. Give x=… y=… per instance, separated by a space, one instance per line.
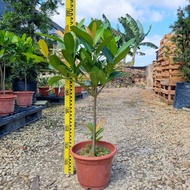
x=93 y=172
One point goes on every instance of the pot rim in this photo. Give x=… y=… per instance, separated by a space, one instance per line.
x=75 y=155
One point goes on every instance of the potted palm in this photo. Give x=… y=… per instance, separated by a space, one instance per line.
x=91 y=52
x=7 y=52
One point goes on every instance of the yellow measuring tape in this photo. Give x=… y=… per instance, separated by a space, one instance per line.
x=69 y=101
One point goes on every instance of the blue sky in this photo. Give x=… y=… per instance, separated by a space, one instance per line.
x=158 y=13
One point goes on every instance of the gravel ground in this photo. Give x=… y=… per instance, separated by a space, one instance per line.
x=152 y=140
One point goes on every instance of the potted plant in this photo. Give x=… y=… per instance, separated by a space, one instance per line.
x=24 y=72
x=43 y=87
x=90 y=52
x=181 y=39
x=58 y=87
x=7 y=52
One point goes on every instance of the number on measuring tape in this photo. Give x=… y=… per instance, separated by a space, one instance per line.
x=69 y=100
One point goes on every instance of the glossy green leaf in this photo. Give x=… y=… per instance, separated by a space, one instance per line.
x=101 y=77
x=68 y=57
x=81 y=23
x=112 y=46
x=115 y=74
x=82 y=34
x=93 y=76
x=54 y=79
x=2 y=52
x=63 y=70
x=36 y=57
x=55 y=38
x=99 y=34
x=54 y=61
x=125 y=45
x=69 y=42
x=122 y=55
x=108 y=55
x=102 y=44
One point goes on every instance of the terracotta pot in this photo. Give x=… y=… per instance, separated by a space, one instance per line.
x=59 y=91
x=43 y=91
x=6 y=92
x=93 y=172
x=78 y=89
x=7 y=104
x=24 y=98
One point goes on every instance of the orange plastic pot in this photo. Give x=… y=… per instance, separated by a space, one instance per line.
x=59 y=91
x=78 y=89
x=43 y=91
x=7 y=104
x=24 y=98
x=93 y=172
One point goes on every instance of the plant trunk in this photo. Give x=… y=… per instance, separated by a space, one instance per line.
x=94 y=129
x=3 y=80
x=25 y=82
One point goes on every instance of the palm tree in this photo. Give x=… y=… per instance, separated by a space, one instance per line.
x=134 y=29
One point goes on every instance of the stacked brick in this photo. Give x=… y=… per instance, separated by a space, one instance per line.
x=166 y=73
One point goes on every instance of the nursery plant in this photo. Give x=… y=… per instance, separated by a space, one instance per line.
x=7 y=56
x=7 y=53
x=89 y=52
x=24 y=68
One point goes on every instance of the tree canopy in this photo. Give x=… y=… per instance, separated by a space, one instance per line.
x=28 y=16
x=181 y=38
x=134 y=29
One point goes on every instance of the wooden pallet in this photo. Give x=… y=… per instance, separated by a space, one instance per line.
x=20 y=118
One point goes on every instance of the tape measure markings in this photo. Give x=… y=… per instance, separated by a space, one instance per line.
x=69 y=101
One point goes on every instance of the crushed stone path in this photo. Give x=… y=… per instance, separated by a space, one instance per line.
x=153 y=141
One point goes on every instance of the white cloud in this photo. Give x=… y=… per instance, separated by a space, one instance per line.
x=146 y=11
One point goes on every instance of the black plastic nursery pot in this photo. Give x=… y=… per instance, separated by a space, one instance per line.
x=19 y=85
x=182 y=95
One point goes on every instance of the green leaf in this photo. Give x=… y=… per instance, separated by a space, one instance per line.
x=43 y=48
x=112 y=46
x=35 y=57
x=63 y=69
x=81 y=23
x=2 y=52
x=102 y=77
x=50 y=37
x=68 y=57
x=115 y=74
x=108 y=55
x=122 y=55
x=54 y=61
x=125 y=45
x=99 y=34
x=102 y=44
x=54 y=79
x=93 y=76
x=69 y=42
x=82 y=34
